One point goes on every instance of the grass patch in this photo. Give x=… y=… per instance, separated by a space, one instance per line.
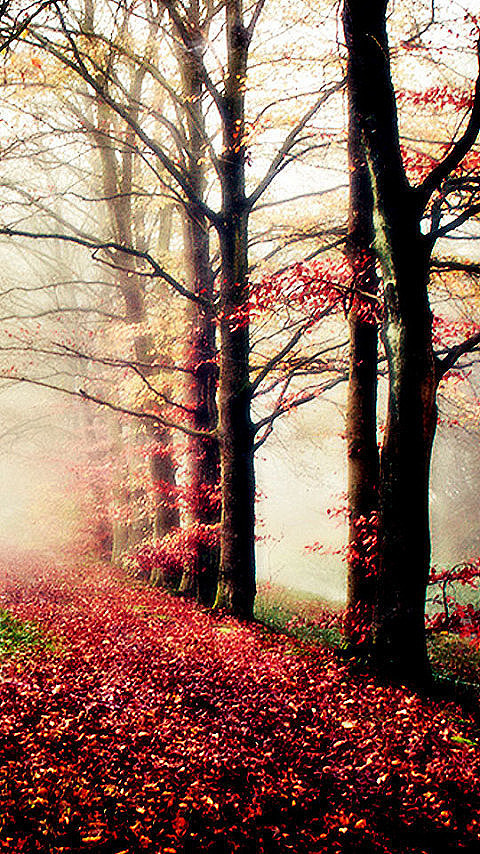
x=310 y=618
x=19 y=635
x=454 y=657
x=299 y=614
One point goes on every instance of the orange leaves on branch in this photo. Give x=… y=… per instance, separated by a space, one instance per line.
x=437 y=97
x=315 y=286
x=417 y=163
x=450 y=332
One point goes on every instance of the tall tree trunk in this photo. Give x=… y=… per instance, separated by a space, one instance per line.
x=166 y=515
x=117 y=179
x=200 y=578
x=236 y=583
x=400 y=642
x=403 y=253
x=361 y=425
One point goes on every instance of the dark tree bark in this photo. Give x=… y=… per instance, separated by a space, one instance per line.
x=361 y=424
x=200 y=578
x=236 y=583
x=403 y=253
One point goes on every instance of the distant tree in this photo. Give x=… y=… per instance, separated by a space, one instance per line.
x=200 y=574
x=120 y=186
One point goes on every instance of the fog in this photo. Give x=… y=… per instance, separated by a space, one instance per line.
x=37 y=504
x=301 y=476
x=31 y=505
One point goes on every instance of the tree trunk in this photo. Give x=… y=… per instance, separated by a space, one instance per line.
x=363 y=473
x=361 y=424
x=200 y=579
x=162 y=468
x=166 y=515
x=126 y=227
x=236 y=583
x=405 y=470
x=403 y=254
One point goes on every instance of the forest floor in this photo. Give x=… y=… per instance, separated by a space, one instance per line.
x=130 y=721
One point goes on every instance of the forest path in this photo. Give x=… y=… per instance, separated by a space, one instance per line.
x=149 y=725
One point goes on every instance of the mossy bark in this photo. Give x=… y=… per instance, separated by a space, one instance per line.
x=403 y=254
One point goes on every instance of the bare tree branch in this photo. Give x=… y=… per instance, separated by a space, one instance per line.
x=254 y=19
x=156 y=272
x=288 y=407
x=281 y=159
x=455 y=156
x=455 y=266
x=22 y=25
x=278 y=357
x=156 y=418
x=467 y=214
x=79 y=67
x=455 y=353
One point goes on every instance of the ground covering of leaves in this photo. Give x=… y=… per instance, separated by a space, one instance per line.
x=147 y=725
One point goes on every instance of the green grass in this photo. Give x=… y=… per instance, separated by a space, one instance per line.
x=299 y=614
x=19 y=635
x=454 y=657
x=302 y=616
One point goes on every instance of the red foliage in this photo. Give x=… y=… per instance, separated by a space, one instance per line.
x=449 y=333
x=417 y=163
x=364 y=549
x=315 y=288
x=176 y=551
x=317 y=285
x=437 y=97
x=361 y=554
x=463 y=619
x=155 y=727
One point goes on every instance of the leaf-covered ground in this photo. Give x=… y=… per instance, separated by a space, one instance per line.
x=146 y=725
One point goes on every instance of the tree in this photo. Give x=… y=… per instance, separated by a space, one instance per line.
x=229 y=220
x=200 y=575
x=361 y=418
x=118 y=185
x=403 y=249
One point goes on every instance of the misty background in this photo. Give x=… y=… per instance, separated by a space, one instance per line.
x=301 y=478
